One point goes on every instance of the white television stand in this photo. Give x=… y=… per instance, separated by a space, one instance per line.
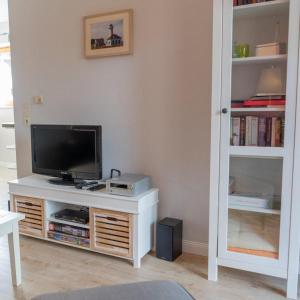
x=118 y=226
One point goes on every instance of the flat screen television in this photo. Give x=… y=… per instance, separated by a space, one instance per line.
x=67 y=152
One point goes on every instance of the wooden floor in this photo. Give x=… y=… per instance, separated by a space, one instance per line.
x=49 y=267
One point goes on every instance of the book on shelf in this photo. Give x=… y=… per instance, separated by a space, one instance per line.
x=262 y=131
x=282 y=131
x=277 y=132
x=268 y=136
x=266 y=103
x=243 y=130
x=236 y=125
x=251 y=132
x=245 y=2
x=262 y=122
x=275 y=101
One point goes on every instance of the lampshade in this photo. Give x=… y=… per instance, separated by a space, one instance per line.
x=270 y=82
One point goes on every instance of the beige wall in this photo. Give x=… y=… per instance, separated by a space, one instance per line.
x=154 y=106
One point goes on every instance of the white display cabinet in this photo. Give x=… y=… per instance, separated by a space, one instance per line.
x=252 y=164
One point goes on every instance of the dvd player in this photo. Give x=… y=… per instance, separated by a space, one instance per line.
x=71 y=215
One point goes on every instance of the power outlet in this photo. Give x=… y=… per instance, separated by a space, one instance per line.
x=27 y=120
x=38 y=99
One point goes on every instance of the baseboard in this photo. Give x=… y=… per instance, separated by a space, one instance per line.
x=195 y=247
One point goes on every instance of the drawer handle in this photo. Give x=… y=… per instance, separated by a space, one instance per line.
x=111 y=219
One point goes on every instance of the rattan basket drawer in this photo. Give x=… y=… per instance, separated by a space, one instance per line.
x=33 y=209
x=111 y=232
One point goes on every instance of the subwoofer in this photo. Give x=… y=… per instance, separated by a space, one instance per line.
x=169 y=239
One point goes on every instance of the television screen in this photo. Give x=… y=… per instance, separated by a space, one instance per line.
x=63 y=150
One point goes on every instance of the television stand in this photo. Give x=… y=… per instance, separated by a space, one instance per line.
x=118 y=225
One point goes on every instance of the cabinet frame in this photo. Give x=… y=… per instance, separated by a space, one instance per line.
x=219 y=164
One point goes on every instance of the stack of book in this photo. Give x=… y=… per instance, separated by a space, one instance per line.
x=260 y=131
x=69 y=234
x=260 y=101
x=80 y=232
x=250 y=200
x=245 y=2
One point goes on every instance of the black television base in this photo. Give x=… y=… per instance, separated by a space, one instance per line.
x=66 y=180
x=61 y=181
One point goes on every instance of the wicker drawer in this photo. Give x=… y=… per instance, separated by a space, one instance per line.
x=33 y=209
x=111 y=232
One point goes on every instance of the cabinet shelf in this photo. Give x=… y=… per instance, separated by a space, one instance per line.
x=86 y=226
x=260 y=59
x=253 y=151
x=255 y=209
x=263 y=9
x=258 y=109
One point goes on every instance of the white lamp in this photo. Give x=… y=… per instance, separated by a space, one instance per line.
x=270 y=82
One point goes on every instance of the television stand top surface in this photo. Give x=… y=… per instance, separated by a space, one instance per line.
x=42 y=182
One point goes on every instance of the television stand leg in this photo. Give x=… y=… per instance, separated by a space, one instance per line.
x=137 y=263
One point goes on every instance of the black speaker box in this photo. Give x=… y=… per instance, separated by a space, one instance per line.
x=169 y=239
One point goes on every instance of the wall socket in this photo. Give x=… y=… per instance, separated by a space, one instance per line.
x=27 y=120
x=26 y=114
x=38 y=99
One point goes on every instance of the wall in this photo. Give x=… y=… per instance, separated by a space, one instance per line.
x=3 y=30
x=7 y=138
x=154 y=106
x=3 y=11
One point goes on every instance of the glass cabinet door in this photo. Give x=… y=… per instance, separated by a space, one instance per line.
x=256 y=132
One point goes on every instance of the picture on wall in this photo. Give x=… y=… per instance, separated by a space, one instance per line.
x=108 y=34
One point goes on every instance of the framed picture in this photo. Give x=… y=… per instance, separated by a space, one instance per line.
x=108 y=34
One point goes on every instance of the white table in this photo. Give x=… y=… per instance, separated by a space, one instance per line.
x=9 y=225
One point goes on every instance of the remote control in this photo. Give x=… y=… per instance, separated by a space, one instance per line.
x=96 y=187
x=85 y=184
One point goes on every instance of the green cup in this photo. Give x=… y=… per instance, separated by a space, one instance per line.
x=242 y=50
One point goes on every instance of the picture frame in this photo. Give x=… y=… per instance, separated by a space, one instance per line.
x=108 y=34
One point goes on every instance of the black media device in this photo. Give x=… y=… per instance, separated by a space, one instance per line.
x=71 y=215
x=70 y=152
x=169 y=239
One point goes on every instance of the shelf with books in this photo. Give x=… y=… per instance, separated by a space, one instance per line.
x=68 y=234
x=68 y=239
x=52 y=219
x=262 y=9
x=282 y=58
x=262 y=130
x=253 y=151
